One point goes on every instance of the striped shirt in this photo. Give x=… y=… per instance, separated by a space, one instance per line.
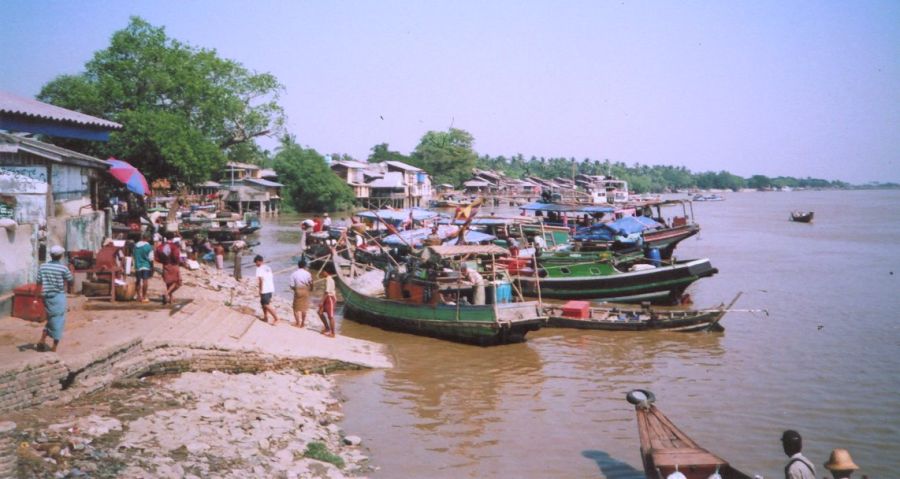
x=53 y=276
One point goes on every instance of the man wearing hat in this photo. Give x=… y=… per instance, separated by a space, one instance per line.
x=841 y=464
x=52 y=276
x=798 y=467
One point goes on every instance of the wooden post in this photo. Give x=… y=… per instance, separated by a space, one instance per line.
x=237 y=265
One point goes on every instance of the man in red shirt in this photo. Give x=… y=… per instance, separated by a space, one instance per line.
x=169 y=254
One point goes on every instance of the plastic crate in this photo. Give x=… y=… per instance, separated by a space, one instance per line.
x=576 y=309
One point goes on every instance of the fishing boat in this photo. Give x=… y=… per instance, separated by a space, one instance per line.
x=580 y=315
x=629 y=278
x=665 y=449
x=424 y=298
x=710 y=197
x=802 y=216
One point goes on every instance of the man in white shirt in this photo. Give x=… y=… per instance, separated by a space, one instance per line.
x=301 y=283
x=477 y=281
x=266 y=282
x=326 y=222
x=799 y=467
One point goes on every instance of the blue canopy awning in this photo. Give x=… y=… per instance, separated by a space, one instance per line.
x=416 y=237
x=635 y=224
x=564 y=208
x=392 y=216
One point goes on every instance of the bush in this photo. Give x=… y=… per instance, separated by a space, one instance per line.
x=319 y=452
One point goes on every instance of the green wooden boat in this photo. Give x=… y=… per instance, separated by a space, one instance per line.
x=365 y=301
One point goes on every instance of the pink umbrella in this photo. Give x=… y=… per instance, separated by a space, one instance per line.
x=129 y=176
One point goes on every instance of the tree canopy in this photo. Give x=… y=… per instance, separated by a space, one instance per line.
x=446 y=155
x=381 y=152
x=182 y=108
x=309 y=184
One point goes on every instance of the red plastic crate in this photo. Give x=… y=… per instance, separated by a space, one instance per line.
x=576 y=309
x=28 y=304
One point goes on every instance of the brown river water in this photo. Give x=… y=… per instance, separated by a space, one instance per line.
x=825 y=360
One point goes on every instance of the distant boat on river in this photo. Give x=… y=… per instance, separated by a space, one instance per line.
x=802 y=216
x=665 y=449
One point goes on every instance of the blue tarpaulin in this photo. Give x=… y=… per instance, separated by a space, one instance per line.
x=417 y=236
x=398 y=216
x=634 y=224
x=561 y=208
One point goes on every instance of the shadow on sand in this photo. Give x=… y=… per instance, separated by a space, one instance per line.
x=612 y=468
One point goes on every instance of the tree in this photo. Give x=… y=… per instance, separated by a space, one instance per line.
x=381 y=153
x=446 y=155
x=309 y=184
x=182 y=107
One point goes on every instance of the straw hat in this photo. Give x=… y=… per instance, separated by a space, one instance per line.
x=840 y=460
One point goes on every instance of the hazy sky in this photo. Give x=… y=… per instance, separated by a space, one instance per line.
x=775 y=88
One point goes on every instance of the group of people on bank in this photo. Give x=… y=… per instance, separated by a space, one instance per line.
x=840 y=464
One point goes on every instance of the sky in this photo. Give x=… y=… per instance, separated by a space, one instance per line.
x=758 y=87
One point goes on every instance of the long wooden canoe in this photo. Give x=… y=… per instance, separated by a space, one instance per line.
x=483 y=325
x=665 y=448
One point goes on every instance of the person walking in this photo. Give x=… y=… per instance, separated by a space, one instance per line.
x=798 y=467
x=266 y=282
x=53 y=276
x=326 y=306
x=143 y=266
x=840 y=464
x=301 y=283
x=477 y=283
x=169 y=254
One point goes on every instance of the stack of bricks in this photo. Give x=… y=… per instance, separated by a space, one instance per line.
x=32 y=383
x=7 y=449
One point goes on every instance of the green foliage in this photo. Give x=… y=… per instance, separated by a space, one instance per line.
x=309 y=184
x=181 y=107
x=318 y=451
x=446 y=155
x=381 y=153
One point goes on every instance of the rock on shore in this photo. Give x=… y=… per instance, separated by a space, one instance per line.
x=213 y=425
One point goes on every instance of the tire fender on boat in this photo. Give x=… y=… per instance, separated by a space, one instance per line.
x=639 y=397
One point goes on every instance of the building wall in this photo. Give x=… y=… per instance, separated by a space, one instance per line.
x=18 y=250
x=78 y=232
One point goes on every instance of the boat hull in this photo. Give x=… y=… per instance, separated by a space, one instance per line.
x=802 y=218
x=663 y=285
x=633 y=321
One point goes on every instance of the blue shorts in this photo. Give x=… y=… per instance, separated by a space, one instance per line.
x=265 y=299
x=144 y=274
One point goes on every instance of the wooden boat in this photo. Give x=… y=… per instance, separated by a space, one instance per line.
x=413 y=304
x=802 y=216
x=628 y=279
x=623 y=318
x=665 y=449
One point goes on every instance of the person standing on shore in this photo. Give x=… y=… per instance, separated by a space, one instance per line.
x=53 y=276
x=219 y=251
x=799 y=467
x=840 y=464
x=169 y=254
x=266 y=282
x=301 y=283
x=326 y=307
x=143 y=266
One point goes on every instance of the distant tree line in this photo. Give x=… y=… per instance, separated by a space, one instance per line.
x=642 y=178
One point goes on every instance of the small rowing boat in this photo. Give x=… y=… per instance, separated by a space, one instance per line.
x=802 y=216
x=579 y=315
x=666 y=450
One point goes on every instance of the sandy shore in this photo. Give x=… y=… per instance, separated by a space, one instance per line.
x=172 y=412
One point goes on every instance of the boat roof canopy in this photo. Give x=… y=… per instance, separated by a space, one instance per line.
x=563 y=208
x=417 y=236
x=449 y=251
x=398 y=215
x=634 y=224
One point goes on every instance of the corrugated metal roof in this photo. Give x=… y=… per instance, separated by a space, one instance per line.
x=18 y=105
x=350 y=164
x=262 y=182
x=402 y=165
x=16 y=144
x=462 y=250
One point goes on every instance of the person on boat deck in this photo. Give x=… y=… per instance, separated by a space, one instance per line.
x=840 y=464
x=513 y=247
x=540 y=244
x=798 y=467
x=53 y=276
x=477 y=281
x=326 y=222
x=317 y=224
x=304 y=229
x=434 y=239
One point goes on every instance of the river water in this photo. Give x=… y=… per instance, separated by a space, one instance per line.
x=824 y=361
